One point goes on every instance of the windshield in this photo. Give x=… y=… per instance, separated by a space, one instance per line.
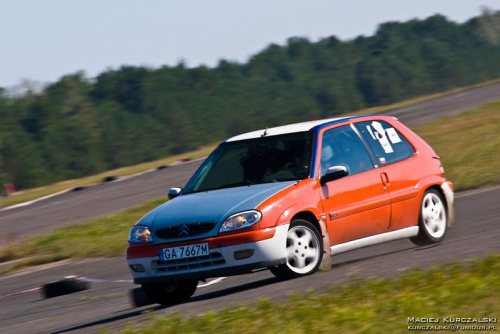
x=260 y=160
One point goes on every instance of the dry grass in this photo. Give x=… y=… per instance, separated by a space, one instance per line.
x=468 y=145
x=374 y=305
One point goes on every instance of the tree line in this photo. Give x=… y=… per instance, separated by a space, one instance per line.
x=79 y=126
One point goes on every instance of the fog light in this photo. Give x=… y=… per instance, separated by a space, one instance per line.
x=243 y=254
x=138 y=268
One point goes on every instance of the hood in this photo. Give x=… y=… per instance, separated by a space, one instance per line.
x=213 y=206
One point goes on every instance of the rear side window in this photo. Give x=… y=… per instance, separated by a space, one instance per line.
x=342 y=147
x=385 y=141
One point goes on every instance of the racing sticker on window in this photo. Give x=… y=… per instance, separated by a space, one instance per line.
x=382 y=137
x=369 y=128
x=393 y=135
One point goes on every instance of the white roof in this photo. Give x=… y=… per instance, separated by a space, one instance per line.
x=280 y=130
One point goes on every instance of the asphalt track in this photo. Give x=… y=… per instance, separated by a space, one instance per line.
x=91 y=202
x=447 y=105
x=106 y=305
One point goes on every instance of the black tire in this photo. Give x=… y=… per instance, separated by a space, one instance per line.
x=110 y=178
x=64 y=287
x=170 y=293
x=139 y=297
x=303 y=258
x=432 y=220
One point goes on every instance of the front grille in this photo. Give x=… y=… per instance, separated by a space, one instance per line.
x=184 y=230
x=206 y=261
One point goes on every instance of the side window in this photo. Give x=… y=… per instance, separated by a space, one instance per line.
x=386 y=142
x=342 y=147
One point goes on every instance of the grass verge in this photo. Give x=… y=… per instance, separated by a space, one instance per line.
x=469 y=289
x=468 y=144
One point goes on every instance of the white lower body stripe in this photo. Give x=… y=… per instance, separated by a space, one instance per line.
x=374 y=240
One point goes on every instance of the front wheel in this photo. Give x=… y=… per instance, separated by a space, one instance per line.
x=304 y=250
x=170 y=293
x=433 y=219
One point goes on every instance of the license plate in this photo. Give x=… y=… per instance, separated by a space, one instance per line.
x=182 y=252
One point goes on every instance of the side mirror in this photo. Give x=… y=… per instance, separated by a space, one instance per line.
x=334 y=173
x=174 y=192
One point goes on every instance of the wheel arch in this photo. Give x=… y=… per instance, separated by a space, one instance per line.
x=306 y=218
x=435 y=187
x=326 y=261
x=447 y=195
x=309 y=216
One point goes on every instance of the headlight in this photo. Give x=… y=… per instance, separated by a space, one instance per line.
x=140 y=233
x=241 y=220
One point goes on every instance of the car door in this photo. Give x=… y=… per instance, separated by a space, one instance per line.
x=356 y=205
x=397 y=162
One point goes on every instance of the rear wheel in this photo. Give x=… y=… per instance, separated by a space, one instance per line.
x=170 y=293
x=433 y=219
x=304 y=250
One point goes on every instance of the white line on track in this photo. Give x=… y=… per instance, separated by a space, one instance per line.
x=35 y=200
x=21 y=213
x=20 y=293
x=95 y=280
x=123 y=178
x=90 y=185
x=212 y=282
x=476 y=191
x=31 y=270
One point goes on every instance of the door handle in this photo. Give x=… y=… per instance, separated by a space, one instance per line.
x=384 y=178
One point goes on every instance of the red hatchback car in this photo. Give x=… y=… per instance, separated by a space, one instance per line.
x=287 y=198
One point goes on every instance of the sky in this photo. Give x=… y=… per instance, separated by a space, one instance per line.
x=44 y=40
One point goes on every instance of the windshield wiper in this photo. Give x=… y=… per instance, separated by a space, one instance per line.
x=236 y=184
x=230 y=185
x=241 y=183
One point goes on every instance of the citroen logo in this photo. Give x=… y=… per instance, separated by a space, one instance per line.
x=184 y=230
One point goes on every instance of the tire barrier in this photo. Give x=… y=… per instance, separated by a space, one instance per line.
x=110 y=178
x=72 y=284
x=69 y=284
